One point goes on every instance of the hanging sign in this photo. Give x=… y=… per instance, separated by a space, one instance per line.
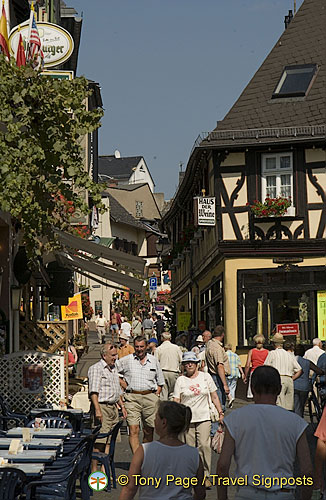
x=57 y=43
x=204 y=207
x=74 y=308
x=321 y=314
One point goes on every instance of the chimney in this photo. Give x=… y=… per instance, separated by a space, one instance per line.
x=288 y=19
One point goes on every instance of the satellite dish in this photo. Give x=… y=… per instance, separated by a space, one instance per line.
x=117 y=154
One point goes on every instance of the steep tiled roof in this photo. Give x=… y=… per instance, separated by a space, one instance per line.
x=119 y=214
x=129 y=187
x=118 y=168
x=303 y=42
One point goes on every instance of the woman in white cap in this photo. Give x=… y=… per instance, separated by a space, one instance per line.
x=197 y=389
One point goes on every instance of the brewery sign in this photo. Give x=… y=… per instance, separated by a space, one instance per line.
x=57 y=43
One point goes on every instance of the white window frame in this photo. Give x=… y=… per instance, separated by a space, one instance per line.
x=277 y=172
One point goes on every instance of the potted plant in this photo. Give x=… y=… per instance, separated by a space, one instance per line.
x=271 y=207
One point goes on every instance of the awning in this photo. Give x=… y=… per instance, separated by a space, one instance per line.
x=101 y=270
x=120 y=258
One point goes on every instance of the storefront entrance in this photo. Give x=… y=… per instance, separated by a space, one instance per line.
x=268 y=297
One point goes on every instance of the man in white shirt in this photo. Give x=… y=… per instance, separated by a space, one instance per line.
x=125 y=327
x=101 y=324
x=265 y=440
x=288 y=368
x=170 y=357
x=315 y=352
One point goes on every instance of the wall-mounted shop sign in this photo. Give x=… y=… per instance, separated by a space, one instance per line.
x=57 y=43
x=204 y=211
x=321 y=314
x=288 y=328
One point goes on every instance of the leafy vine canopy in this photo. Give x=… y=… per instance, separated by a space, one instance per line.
x=43 y=179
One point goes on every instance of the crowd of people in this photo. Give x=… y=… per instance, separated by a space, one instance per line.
x=182 y=390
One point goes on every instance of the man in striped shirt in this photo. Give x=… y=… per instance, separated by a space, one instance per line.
x=142 y=379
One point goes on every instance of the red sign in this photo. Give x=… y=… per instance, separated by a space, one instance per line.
x=288 y=329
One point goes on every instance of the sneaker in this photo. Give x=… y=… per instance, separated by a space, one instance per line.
x=208 y=484
x=231 y=403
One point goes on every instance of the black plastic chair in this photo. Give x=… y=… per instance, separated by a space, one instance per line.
x=84 y=469
x=61 y=485
x=108 y=459
x=12 y=482
x=53 y=423
x=7 y=415
x=75 y=422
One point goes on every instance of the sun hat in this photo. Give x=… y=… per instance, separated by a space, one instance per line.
x=123 y=336
x=189 y=357
x=199 y=338
x=277 y=338
x=153 y=339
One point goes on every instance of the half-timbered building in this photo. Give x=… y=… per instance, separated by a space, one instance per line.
x=253 y=272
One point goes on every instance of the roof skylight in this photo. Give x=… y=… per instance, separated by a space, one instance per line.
x=295 y=81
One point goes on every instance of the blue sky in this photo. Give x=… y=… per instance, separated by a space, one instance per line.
x=169 y=69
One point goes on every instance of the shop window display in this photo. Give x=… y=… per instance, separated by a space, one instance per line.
x=271 y=297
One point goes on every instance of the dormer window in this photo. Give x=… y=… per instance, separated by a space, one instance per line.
x=295 y=81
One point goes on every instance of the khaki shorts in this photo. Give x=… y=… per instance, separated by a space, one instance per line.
x=141 y=408
x=110 y=418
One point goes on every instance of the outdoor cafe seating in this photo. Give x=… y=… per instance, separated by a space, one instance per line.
x=53 y=458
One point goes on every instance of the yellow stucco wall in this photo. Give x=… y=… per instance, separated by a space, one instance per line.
x=234 y=159
x=315 y=155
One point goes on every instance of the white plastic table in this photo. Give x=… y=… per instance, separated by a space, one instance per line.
x=30 y=456
x=37 y=443
x=33 y=470
x=48 y=433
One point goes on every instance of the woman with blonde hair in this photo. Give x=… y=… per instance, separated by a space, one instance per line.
x=160 y=462
x=255 y=358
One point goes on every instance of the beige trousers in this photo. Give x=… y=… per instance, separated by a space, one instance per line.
x=168 y=388
x=198 y=436
x=286 y=397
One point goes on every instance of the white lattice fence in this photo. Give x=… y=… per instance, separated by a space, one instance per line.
x=11 y=379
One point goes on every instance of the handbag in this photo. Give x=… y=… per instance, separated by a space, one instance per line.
x=218 y=438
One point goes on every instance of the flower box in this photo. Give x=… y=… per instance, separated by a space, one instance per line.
x=271 y=207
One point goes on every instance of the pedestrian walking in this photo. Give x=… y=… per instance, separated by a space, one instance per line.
x=202 y=354
x=148 y=327
x=105 y=393
x=101 y=324
x=170 y=357
x=197 y=390
x=159 y=327
x=218 y=367
x=125 y=327
x=142 y=379
x=152 y=345
x=125 y=348
x=302 y=384
x=315 y=352
x=136 y=326
x=278 y=436
x=288 y=368
x=256 y=357
x=236 y=372
x=167 y=457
